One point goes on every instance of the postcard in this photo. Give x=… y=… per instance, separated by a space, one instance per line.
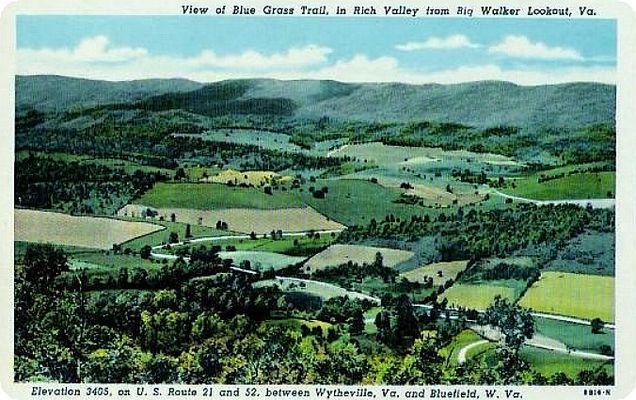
x=325 y=200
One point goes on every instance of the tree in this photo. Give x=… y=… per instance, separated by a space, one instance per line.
x=145 y=252
x=173 y=238
x=188 y=232
x=597 y=325
x=515 y=323
x=42 y=264
x=180 y=174
x=173 y=217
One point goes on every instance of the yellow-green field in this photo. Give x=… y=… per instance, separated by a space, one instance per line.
x=56 y=228
x=478 y=297
x=577 y=295
x=449 y=271
x=244 y=220
x=250 y=178
x=340 y=254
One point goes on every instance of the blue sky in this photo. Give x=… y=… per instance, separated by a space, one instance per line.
x=416 y=50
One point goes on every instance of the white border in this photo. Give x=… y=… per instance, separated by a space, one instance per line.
x=625 y=367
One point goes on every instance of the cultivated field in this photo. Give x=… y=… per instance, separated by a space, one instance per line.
x=549 y=362
x=449 y=270
x=588 y=185
x=340 y=254
x=573 y=335
x=478 y=297
x=249 y=178
x=261 y=260
x=98 y=233
x=208 y=196
x=578 y=295
x=322 y=290
x=247 y=220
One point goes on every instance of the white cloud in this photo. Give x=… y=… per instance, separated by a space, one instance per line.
x=250 y=59
x=450 y=42
x=522 y=47
x=96 y=58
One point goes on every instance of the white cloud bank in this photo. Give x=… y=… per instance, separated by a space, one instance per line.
x=450 y=42
x=522 y=47
x=96 y=58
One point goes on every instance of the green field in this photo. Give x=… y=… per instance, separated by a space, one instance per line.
x=550 y=362
x=112 y=261
x=449 y=270
x=304 y=245
x=577 y=295
x=463 y=339
x=209 y=196
x=260 y=260
x=577 y=336
x=356 y=202
x=480 y=296
x=159 y=237
x=323 y=291
x=588 y=185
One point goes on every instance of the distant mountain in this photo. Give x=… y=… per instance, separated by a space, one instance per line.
x=56 y=93
x=479 y=104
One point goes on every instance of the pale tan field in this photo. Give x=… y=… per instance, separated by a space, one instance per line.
x=98 y=233
x=433 y=195
x=250 y=178
x=245 y=220
x=340 y=253
x=449 y=271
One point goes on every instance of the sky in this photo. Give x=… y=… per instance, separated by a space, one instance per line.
x=410 y=50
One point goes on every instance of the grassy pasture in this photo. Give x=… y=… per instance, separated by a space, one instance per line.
x=356 y=202
x=263 y=139
x=549 y=362
x=463 y=339
x=112 y=261
x=449 y=271
x=250 y=178
x=577 y=336
x=210 y=196
x=577 y=295
x=247 y=220
x=56 y=228
x=340 y=254
x=587 y=185
x=325 y=292
x=260 y=260
x=480 y=296
x=160 y=237
x=305 y=245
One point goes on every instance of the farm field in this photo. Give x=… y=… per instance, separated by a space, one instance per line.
x=209 y=196
x=161 y=237
x=261 y=138
x=461 y=340
x=550 y=362
x=340 y=254
x=355 y=202
x=290 y=245
x=587 y=185
x=577 y=295
x=449 y=271
x=480 y=296
x=414 y=156
x=99 y=233
x=296 y=323
x=577 y=336
x=261 y=260
x=110 y=261
x=247 y=220
x=322 y=290
x=249 y=178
